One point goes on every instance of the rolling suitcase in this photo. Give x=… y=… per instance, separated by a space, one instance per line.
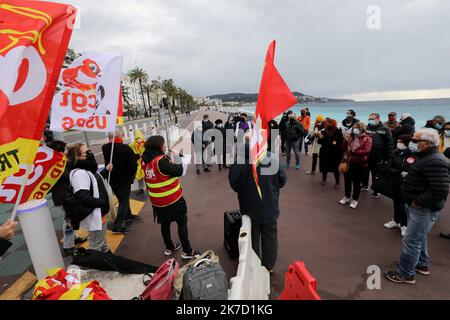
x=232 y=226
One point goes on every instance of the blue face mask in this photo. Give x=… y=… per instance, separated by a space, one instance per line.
x=413 y=147
x=356 y=132
x=373 y=123
x=438 y=126
x=447 y=133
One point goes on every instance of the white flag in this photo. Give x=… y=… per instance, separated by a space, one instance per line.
x=89 y=95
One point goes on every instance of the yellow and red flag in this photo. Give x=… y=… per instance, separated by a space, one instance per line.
x=120 y=110
x=274 y=98
x=48 y=167
x=34 y=36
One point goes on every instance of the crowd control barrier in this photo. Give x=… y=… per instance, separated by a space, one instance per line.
x=299 y=284
x=252 y=281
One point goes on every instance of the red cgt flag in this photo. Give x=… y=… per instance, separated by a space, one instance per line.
x=34 y=36
x=274 y=98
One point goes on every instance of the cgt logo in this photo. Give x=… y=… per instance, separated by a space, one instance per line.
x=23 y=75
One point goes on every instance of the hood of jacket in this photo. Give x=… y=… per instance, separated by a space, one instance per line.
x=149 y=155
x=409 y=121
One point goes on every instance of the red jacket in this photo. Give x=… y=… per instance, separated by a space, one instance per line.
x=358 y=155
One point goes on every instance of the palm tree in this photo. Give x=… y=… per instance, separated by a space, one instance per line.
x=141 y=76
x=171 y=90
x=147 y=90
x=127 y=101
x=70 y=56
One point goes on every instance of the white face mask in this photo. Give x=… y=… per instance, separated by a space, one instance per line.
x=356 y=132
x=401 y=146
x=413 y=147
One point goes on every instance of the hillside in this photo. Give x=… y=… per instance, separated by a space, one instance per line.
x=253 y=97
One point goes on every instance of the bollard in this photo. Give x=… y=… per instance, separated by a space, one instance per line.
x=145 y=128
x=40 y=236
x=136 y=126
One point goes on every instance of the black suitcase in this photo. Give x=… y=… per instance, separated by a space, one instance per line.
x=232 y=226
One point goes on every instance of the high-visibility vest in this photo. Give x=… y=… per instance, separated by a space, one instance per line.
x=163 y=190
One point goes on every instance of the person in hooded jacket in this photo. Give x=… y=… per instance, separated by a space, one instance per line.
x=397 y=169
x=272 y=125
x=166 y=195
x=220 y=151
x=407 y=126
x=294 y=137
x=138 y=148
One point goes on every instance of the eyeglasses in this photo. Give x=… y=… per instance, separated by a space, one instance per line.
x=419 y=140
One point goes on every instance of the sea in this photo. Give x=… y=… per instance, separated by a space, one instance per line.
x=421 y=110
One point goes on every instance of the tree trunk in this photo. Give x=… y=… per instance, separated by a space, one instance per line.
x=143 y=97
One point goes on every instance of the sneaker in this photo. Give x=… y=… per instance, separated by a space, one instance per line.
x=391 y=225
x=297 y=167
x=286 y=165
x=365 y=188
x=345 y=201
x=69 y=252
x=337 y=186
x=206 y=170
x=354 y=204
x=403 y=231
x=80 y=241
x=396 y=277
x=310 y=172
x=198 y=172
x=425 y=271
x=133 y=218
x=323 y=183
x=169 y=252
x=376 y=195
x=120 y=231
x=193 y=255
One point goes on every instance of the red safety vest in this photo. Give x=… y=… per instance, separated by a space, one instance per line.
x=163 y=190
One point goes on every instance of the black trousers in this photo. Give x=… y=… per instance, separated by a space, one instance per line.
x=122 y=193
x=283 y=144
x=314 y=161
x=337 y=176
x=371 y=169
x=353 y=181
x=183 y=234
x=400 y=215
x=265 y=237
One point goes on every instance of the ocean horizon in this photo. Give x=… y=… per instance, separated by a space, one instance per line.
x=420 y=109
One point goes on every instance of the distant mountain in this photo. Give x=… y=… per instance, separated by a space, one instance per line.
x=241 y=98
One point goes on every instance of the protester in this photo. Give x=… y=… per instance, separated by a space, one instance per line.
x=444 y=138
x=425 y=192
x=447 y=154
x=307 y=112
x=206 y=123
x=264 y=210
x=229 y=125
x=319 y=125
x=305 y=120
x=392 y=123
x=439 y=122
x=7 y=231
x=123 y=172
x=407 y=126
x=397 y=169
x=272 y=126
x=243 y=126
x=201 y=159
x=220 y=150
x=90 y=192
x=294 y=138
x=138 y=148
x=382 y=147
x=61 y=191
x=166 y=195
x=330 y=156
x=432 y=124
x=283 y=131
x=356 y=154
x=348 y=122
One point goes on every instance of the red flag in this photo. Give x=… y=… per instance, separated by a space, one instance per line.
x=274 y=98
x=34 y=36
x=48 y=167
x=120 y=110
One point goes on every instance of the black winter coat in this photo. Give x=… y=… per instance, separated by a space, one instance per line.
x=62 y=188
x=382 y=143
x=265 y=211
x=330 y=155
x=282 y=125
x=407 y=126
x=294 y=131
x=124 y=163
x=428 y=180
x=273 y=125
x=400 y=161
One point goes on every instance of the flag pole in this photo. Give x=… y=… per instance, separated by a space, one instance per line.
x=112 y=152
x=22 y=189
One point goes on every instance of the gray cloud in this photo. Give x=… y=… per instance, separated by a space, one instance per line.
x=324 y=48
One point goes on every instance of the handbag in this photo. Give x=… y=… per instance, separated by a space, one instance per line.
x=160 y=285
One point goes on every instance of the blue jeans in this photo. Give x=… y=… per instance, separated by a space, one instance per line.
x=293 y=146
x=415 y=251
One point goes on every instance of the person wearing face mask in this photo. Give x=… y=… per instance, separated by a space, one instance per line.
x=425 y=191
x=166 y=195
x=295 y=135
x=90 y=192
x=330 y=139
x=305 y=120
x=396 y=170
x=138 y=148
x=382 y=147
x=348 y=122
x=220 y=151
x=319 y=125
x=283 y=131
x=439 y=122
x=407 y=126
x=356 y=153
x=392 y=123
x=123 y=171
x=444 y=141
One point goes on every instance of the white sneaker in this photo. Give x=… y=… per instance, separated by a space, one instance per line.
x=345 y=201
x=391 y=225
x=354 y=204
x=403 y=231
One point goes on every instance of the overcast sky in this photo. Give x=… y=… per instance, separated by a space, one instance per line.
x=324 y=48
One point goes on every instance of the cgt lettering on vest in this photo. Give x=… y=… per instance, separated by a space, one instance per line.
x=9 y=159
x=98 y=122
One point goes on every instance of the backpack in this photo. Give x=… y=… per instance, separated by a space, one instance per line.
x=160 y=285
x=205 y=280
